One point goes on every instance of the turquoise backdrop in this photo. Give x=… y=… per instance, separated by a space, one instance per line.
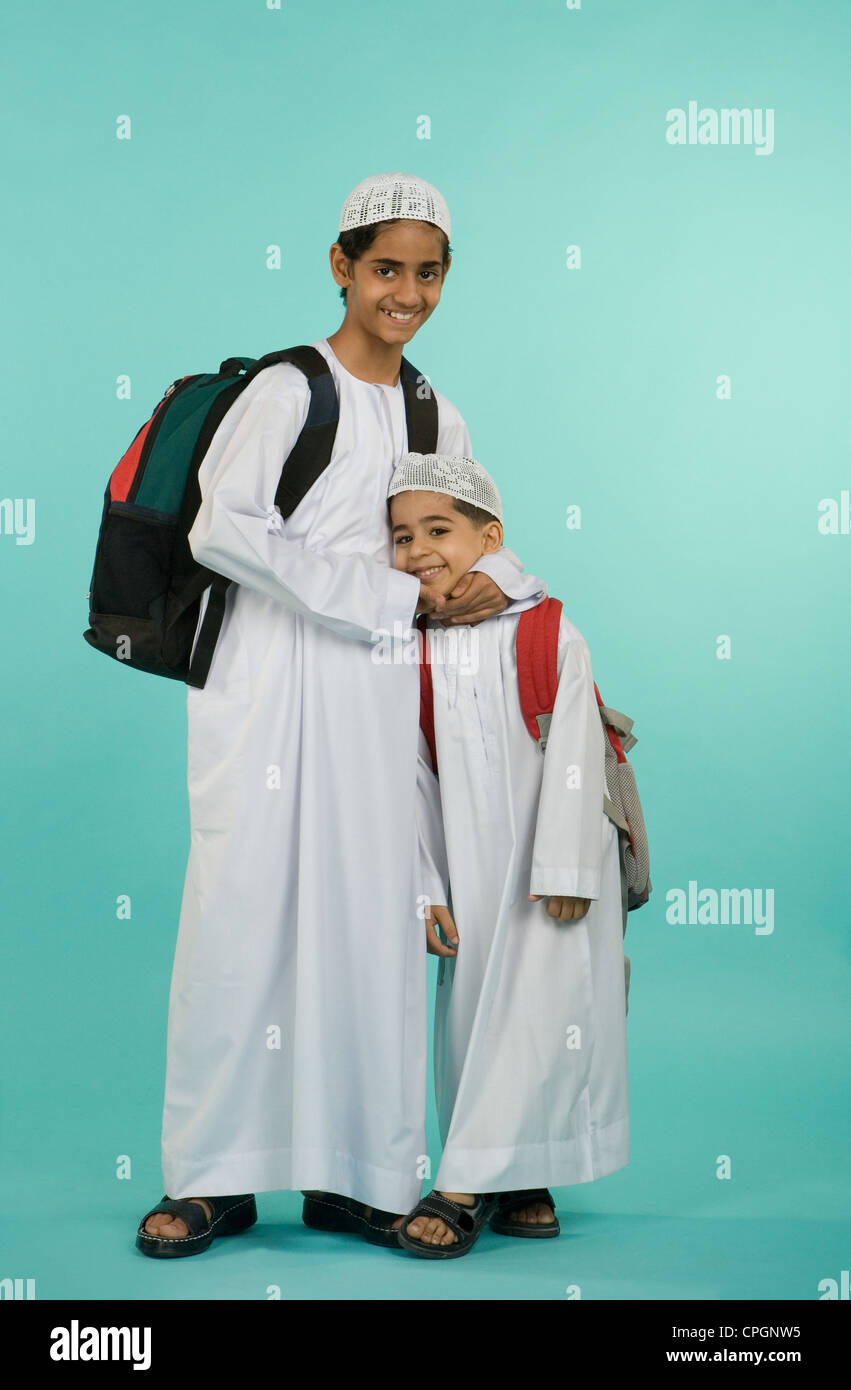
x=680 y=375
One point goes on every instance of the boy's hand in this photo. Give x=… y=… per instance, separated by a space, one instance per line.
x=565 y=909
x=430 y=601
x=475 y=597
x=442 y=917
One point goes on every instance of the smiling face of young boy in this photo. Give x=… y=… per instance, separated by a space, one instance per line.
x=395 y=285
x=436 y=543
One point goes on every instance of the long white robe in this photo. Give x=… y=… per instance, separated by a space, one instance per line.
x=530 y=1031
x=297 y=1048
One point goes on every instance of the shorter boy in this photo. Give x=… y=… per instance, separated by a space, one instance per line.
x=530 y=1018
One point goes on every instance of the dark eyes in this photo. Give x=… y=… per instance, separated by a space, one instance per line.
x=434 y=531
x=432 y=274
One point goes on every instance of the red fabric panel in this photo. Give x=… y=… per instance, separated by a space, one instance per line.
x=125 y=470
x=426 y=693
x=613 y=738
x=536 y=645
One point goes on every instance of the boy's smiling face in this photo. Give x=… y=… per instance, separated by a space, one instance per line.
x=400 y=274
x=434 y=542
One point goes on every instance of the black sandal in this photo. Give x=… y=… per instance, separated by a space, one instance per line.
x=230 y=1214
x=465 y=1222
x=510 y=1201
x=328 y=1211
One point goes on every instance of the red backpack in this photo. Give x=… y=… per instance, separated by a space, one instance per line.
x=536 y=647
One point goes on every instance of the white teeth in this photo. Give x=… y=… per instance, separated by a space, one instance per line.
x=435 y=569
x=394 y=315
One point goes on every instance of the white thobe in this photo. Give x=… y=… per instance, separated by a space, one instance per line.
x=297 y=1031
x=530 y=1033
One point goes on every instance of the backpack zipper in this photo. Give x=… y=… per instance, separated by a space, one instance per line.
x=180 y=384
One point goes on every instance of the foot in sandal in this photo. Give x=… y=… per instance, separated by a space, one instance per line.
x=162 y=1223
x=534 y=1213
x=432 y=1229
x=179 y=1226
x=445 y=1225
x=436 y=1232
x=525 y=1213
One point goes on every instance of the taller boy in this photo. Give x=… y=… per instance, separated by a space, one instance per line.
x=297 y=1019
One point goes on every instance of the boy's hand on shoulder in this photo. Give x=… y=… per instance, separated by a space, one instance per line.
x=565 y=909
x=475 y=597
x=440 y=917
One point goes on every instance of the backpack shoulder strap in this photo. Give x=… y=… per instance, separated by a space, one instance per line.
x=426 y=692
x=311 y=453
x=420 y=410
x=616 y=723
x=536 y=648
x=305 y=462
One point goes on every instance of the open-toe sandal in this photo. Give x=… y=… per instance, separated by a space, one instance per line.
x=507 y=1202
x=230 y=1214
x=465 y=1222
x=328 y=1211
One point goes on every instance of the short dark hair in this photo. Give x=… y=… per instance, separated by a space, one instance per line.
x=476 y=514
x=359 y=239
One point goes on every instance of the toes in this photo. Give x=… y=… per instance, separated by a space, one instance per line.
x=437 y=1233
x=538 y=1213
x=162 y=1224
x=430 y=1230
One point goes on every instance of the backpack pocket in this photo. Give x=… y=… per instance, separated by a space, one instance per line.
x=130 y=586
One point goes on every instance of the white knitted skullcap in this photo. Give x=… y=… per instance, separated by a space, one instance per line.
x=383 y=196
x=450 y=473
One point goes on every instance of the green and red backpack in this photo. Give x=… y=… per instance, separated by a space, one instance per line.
x=146 y=586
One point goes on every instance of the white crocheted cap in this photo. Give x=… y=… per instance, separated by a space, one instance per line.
x=450 y=473
x=383 y=196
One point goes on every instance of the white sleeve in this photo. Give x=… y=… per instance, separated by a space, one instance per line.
x=434 y=869
x=503 y=567
x=239 y=533
x=567 y=856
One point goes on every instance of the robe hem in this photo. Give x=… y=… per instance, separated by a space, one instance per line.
x=526 y=1166
x=279 y=1170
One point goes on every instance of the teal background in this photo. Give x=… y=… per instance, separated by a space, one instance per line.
x=593 y=386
